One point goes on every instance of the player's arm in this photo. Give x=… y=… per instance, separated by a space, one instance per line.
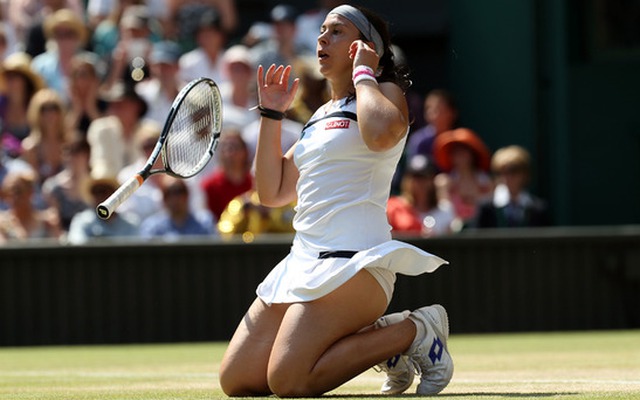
x=382 y=114
x=276 y=174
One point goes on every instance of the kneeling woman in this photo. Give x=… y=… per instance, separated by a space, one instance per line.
x=317 y=321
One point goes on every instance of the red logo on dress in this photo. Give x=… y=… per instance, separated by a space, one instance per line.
x=339 y=124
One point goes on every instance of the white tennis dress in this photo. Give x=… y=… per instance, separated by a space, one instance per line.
x=342 y=195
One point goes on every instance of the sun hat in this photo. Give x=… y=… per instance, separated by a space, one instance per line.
x=445 y=141
x=20 y=63
x=65 y=18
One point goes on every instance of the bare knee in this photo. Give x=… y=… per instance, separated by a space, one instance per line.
x=285 y=382
x=237 y=383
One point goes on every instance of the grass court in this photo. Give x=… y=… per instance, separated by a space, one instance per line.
x=562 y=365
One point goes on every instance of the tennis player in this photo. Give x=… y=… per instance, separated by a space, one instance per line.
x=316 y=322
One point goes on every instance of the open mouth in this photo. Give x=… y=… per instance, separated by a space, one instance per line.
x=322 y=55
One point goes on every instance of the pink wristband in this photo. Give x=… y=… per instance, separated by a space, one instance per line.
x=363 y=73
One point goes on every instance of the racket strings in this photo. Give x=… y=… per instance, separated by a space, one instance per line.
x=192 y=131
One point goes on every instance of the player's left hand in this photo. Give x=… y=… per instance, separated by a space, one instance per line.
x=364 y=53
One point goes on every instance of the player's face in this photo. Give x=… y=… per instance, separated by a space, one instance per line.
x=336 y=35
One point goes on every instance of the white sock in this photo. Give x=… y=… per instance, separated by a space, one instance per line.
x=420 y=334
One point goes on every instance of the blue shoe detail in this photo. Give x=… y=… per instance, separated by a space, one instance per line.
x=435 y=353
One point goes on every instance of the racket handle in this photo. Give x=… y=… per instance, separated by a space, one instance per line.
x=107 y=207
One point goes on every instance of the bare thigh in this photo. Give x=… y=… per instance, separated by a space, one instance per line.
x=309 y=348
x=318 y=346
x=243 y=371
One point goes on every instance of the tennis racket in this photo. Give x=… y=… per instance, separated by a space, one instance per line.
x=188 y=140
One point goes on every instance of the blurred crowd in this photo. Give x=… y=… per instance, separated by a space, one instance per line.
x=86 y=85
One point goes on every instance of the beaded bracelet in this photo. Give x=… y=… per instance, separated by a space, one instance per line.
x=270 y=113
x=363 y=73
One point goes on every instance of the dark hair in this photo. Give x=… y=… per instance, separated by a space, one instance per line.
x=390 y=70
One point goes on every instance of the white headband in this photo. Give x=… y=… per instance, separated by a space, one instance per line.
x=362 y=23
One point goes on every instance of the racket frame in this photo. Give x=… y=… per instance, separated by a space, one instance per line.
x=105 y=209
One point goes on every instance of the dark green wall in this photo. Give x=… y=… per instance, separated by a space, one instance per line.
x=526 y=72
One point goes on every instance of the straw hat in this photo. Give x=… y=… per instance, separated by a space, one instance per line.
x=20 y=63
x=68 y=19
x=445 y=141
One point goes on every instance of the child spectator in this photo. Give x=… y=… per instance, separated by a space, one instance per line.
x=512 y=205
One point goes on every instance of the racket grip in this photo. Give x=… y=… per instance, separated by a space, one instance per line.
x=107 y=207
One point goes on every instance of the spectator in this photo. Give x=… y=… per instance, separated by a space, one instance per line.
x=245 y=216
x=512 y=205
x=206 y=58
x=84 y=86
x=441 y=114
x=418 y=210
x=23 y=14
x=465 y=160
x=107 y=26
x=163 y=84
x=86 y=226
x=8 y=166
x=22 y=221
x=112 y=137
x=63 y=191
x=281 y=49
x=128 y=47
x=232 y=177
x=42 y=148
x=239 y=90
x=183 y=16
x=99 y=11
x=21 y=84
x=177 y=220
x=68 y=35
x=35 y=40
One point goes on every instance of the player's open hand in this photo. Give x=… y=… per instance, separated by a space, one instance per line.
x=273 y=87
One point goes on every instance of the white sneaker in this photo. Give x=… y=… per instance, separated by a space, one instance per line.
x=399 y=368
x=429 y=352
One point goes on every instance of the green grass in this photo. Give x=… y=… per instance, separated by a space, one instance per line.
x=573 y=365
